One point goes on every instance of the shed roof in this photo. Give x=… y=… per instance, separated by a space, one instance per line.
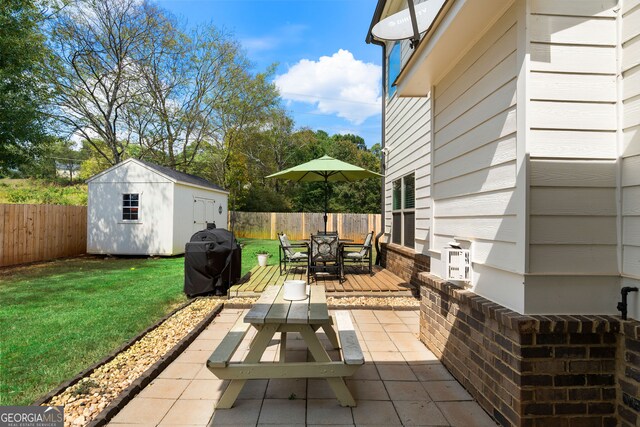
x=171 y=174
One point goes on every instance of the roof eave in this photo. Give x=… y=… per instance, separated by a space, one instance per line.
x=375 y=19
x=190 y=184
x=458 y=26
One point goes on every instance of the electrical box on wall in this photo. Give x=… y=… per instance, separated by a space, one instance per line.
x=457 y=264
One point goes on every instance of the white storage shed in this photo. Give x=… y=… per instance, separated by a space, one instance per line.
x=140 y=208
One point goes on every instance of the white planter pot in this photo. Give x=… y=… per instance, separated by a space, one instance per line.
x=295 y=290
x=262 y=260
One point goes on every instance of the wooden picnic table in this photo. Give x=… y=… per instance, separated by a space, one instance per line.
x=271 y=314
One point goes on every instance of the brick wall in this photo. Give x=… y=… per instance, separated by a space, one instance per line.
x=404 y=262
x=629 y=374
x=538 y=371
x=526 y=370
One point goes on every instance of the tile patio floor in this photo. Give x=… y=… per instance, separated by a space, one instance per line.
x=401 y=383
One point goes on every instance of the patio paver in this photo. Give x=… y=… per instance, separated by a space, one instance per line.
x=402 y=383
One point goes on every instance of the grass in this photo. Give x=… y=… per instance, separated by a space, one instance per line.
x=36 y=191
x=60 y=317
x=250 y=250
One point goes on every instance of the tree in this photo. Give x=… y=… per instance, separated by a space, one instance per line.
x=57 y=156
x=187 y=78
x=95 y=76
x=23 y=94
x=247 y=106
x=131 y=76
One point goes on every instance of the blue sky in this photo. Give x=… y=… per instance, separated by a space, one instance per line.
x=328 y=76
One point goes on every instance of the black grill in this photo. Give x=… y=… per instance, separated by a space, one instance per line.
x=212 y=263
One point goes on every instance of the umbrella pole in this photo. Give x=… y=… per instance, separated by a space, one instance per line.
x=326 y=195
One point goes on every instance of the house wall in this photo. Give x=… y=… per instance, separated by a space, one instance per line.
x=186 y=221
x=630 y=151
x=408 y=130
x=474 y=163
x=107 y=233
x=571 y=137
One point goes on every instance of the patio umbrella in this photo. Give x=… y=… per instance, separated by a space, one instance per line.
x=325 y=169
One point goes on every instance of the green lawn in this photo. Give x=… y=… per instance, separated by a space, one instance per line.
x=58 y=318
x=252 y=247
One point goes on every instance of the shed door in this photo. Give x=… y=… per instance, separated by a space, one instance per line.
x=203 y=212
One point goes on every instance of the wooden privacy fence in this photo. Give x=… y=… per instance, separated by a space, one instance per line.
x=31 y=233
x=299 y=225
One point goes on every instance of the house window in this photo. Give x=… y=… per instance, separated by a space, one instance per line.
x=403 y=216
x=393 y=69
x=130 y=207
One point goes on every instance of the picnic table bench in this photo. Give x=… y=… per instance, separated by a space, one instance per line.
x=271 y=314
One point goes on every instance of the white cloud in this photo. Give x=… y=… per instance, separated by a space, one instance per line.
x=337 y=84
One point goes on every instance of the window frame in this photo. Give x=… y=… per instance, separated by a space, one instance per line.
x=399 y=234
x=128 y=205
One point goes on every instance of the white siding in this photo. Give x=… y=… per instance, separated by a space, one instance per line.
x=631 y=149
x=474 y=170
x=407 y=135
x=573 y=122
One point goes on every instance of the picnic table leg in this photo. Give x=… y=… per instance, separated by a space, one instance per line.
x=331 y=334
x=319 y=354
x=283 y=346
x=259 y=345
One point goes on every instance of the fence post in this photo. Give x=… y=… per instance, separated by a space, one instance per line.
x=304 y=226
x=273 y=225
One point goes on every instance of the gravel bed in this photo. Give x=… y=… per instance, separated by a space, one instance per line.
x=402 y=303
x=84 y=400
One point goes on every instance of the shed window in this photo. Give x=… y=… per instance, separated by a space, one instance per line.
x=130 y=207
x=404 y=202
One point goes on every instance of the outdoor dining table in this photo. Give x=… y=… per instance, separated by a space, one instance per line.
x=273 y=313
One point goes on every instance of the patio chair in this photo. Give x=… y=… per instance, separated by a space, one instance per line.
x=362 y=255
x=289 y=254
x=324 y=255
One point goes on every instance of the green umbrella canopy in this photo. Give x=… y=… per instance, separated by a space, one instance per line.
x=325 y=169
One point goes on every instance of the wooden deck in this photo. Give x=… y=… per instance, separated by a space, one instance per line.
x=357 y=280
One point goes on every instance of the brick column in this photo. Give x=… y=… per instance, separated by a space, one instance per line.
x=628 y=373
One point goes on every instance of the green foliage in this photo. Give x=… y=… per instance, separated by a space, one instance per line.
x=23 y=96
x=272 y=150
x=27 y=191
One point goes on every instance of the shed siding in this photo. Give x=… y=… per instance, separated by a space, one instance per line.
x=631 y=150
x=474 y=170
x=573 y=124
x=183 y=205
x=108 y=234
